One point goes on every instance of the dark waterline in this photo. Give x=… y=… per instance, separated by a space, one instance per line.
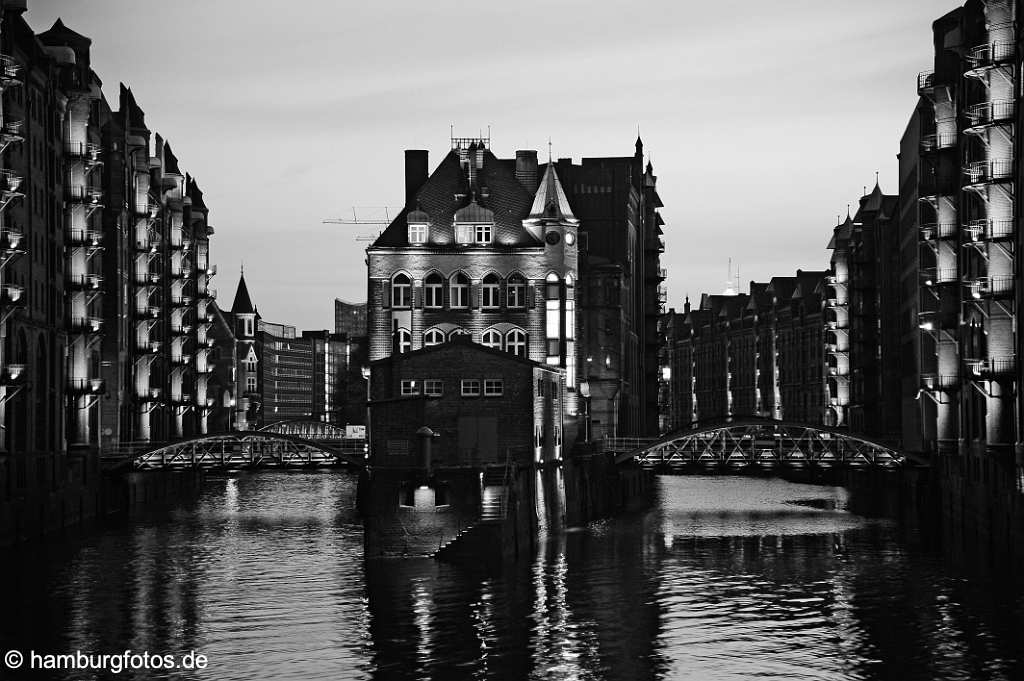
x=725 y=578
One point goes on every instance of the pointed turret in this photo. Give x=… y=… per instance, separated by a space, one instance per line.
x=550 y=202
x=243 y=303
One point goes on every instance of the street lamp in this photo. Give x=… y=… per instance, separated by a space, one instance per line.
x=585 y=394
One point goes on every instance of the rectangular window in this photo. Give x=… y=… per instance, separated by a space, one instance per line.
x=463 y=233
x=470 y=387
x=433 y=387
x=493 y=387
x=410 y=388
x=250 y=384
x=482 y=234
x=417 y=234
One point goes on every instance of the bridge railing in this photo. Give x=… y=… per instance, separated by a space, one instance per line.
x=619 y=445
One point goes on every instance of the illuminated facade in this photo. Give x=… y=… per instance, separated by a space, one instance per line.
x=484 y=247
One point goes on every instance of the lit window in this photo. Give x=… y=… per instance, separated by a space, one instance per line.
x=404 y=340
x=516 y=291
x=433 y=291
x=433 y=387
x=470 y=387
x=515 y=342
x=493 y=387
x=401 y=288
x=410 y=388
x=432 y=337
x=489 y=292
x=417 y=233
x=460 y=290
x=482 y=234
x=491 y=339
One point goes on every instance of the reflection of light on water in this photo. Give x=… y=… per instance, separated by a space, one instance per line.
x=540 y=507
x=483 y=616
x=421 y=607
x=562 y=648
x=231 y=495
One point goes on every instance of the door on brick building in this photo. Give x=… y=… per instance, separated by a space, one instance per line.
x=478 y=439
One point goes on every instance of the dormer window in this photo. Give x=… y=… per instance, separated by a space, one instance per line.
x=482 y=234
x=417 y=233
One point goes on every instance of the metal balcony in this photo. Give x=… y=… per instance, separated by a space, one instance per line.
x=997 y=286
x=151 y=347
x=148 y=312
x=991 y=229
x=181 y=300
x=992 y=170
x=211 y=294
x=991 y=113
x=12 y=296
x=10 y=133
x=84 y=282
x=936 y=141
x=181 y=360
x=943 y=382
x=89 y=152
x=11 y=237
x=934 y=276
x=88 y=195
x=10 y=181
x=940 y=230
x=925 y=82
x=991 y=54
x=13 y=374
x=10 y=71
x=86 y=386
x=85 y=237
x=86 y=325
x=147 y=278
x=992 y=367
x=181 y=329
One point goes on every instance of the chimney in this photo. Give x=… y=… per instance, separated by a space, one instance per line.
x=415 y=174
x=526 y=169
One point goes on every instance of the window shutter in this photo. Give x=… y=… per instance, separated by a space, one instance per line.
x=417 y=295
x=503 y=293
x=474 y=296
x=386 y=287
x=531 y=296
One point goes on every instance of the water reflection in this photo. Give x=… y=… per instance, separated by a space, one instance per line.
x=726 y=578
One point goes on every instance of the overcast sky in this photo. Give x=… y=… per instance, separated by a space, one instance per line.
x=764 y=119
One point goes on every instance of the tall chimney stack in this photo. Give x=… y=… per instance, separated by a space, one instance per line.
x=416 y=171
x=526 y=169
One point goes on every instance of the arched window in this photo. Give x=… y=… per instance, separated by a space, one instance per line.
x=515 y=342
x=433 y=291
x=401 y=291
x=459 y=290
x=457 y=332
x=516 y=291
x=491 y=339
x=404 y=340
x=489 y=292
x=432 y=337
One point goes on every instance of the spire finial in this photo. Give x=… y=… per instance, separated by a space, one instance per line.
x=847 y=211
x=241 y=269
x=549 y=149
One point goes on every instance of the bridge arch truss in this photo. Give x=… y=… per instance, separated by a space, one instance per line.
x=761 y=442
x=245 y=449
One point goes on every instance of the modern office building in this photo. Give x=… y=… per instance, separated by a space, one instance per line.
x=349 y=318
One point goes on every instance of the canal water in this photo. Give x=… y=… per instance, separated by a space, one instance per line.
x=724 y=578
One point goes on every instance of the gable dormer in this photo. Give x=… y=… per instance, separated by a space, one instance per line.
x=474 y=224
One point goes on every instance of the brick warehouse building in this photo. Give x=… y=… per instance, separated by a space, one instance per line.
x=760 y=353
x=495 y=249
x=104 y=282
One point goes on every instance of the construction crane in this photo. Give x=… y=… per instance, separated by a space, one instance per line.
x=356 y=220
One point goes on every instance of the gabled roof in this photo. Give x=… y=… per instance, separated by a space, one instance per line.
x=447 y=191
x=133 y=115
x=550 y=202
x=59 y=34
x=243 y=303
x=170 y=160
